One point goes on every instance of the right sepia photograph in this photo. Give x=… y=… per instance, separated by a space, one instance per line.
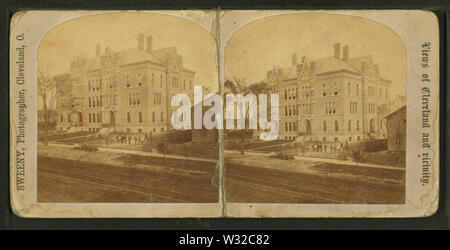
x=341 y=85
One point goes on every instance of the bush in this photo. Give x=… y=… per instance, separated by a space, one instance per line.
x=87 y=148
x=161 y=148
x=283 y=156
x=357 y=156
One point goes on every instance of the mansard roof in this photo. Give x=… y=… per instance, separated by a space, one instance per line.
x=136 y=55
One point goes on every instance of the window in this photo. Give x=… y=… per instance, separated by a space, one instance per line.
x=153 y=116
x=324 y=126
x=140 y=117
x=349 y=125
x=160 y=80
x=286 y=127
x=357 y=125
x=162 y=116
x=128 y=117
x=62 y=118
x=336 y=126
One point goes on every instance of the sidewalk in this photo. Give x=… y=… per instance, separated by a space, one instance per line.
x=328 y=160
x=306 y=158
x=138 y=152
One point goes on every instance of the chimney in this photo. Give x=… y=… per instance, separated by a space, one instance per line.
x=294 y=59
x=337 y=50
x=97 y=50
x=149 y=43
x=141 y=41
x=345 y=52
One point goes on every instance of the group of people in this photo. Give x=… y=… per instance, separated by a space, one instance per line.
x=324 y=148
x=128 y=139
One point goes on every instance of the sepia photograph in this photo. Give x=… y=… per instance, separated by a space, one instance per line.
x=341 y=85
x=224 y=113
x=105 y=84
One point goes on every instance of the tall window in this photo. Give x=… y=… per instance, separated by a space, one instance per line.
x=162 y=116
x=153 y=116
x=128 y=117
x=140 y=117
x=349 y=125
x=324 y=126
x=357 y=125
x=336 y=126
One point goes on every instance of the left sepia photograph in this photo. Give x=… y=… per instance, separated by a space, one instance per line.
x=105 y=84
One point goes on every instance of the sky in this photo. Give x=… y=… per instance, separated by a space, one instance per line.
x=79 y=36
x=260 y=45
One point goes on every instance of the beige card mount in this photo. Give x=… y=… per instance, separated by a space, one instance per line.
x=224 y=113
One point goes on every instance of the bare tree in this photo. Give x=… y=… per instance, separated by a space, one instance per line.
x=48 y=93
x=398 y=102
